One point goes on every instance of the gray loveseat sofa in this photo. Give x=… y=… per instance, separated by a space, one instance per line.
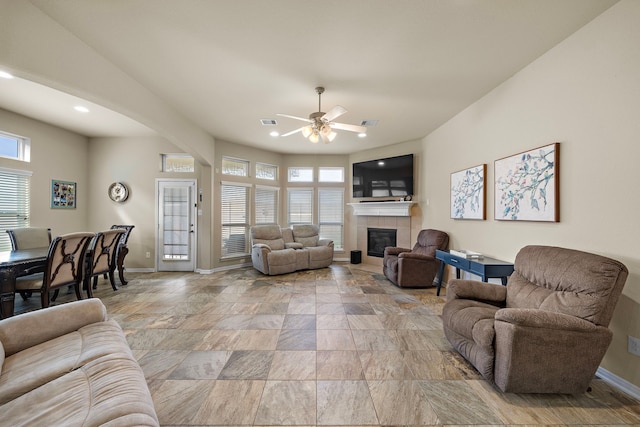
x=69 y=366
x=277 y=250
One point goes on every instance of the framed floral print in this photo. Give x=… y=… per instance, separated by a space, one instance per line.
x=527 y=185
x=469 y=193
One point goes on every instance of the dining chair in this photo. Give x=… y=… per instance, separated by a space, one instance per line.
x=122 y=250
x=101 y=258
x=29 y=238
x=64 y=267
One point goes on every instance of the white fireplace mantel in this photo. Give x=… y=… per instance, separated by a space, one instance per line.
x=382 y=208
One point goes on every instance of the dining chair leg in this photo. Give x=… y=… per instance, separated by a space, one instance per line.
x=112 y=279
x=76 y=287
x=55 y=294
x=86 y=284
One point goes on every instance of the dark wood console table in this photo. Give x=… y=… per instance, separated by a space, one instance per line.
x=486 y=268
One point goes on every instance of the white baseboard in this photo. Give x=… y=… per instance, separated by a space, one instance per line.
x=619 y=383
x=140 y=270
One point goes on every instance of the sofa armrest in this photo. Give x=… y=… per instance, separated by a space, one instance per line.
x=260 y=246
x=392 y=250
x=27 y=330
x=414 y=256
x=535 y=318
x=480 y=291
x=325 y=242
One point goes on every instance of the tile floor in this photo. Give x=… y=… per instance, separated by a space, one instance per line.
x=335 y=346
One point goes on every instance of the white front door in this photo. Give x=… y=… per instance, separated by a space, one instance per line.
x=176 y=224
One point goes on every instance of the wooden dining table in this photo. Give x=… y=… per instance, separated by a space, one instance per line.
x=14 y=264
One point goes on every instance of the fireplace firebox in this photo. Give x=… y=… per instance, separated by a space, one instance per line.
x=378 y=239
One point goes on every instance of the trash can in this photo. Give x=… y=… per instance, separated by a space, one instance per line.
x=356 y=257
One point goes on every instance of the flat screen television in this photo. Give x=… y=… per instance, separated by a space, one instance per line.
x=389 y=177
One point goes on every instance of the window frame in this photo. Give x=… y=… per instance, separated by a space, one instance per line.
x=246 y=166
x=266 y=166
x=23 y=146
x=291 y=169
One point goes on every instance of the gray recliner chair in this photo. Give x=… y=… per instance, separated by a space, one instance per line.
x=546 y=331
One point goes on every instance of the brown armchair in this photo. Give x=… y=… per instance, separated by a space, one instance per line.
x=417 y=267
x=546 y=331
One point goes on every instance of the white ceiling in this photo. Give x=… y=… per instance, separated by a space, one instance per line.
x=226 y=64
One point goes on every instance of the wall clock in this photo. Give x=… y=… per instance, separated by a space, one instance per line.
x=118 y=192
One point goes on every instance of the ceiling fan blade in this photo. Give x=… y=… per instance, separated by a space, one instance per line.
x=334 y=113
x=351 y=128
x=294 y=117
x=325 y=138
x=293 y=131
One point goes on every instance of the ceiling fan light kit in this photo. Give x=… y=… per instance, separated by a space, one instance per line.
x=320 y=124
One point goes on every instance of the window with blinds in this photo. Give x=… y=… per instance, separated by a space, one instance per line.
x=234 y=205
x=331 y=215
x=300 y=206
x=266 y=205
x=15 y=186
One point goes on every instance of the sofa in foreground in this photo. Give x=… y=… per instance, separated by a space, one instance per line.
x=69 y=366
x=278 y=250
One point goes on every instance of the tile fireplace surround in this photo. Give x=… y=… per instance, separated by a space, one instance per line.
x=404 y=217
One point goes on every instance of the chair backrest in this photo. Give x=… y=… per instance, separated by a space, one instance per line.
x=29 y=237
x=430 y=240
x=568 y=281
x=307 y=234
x=127 y=231
x=103 y=250
x=269 y=235
x=65 y=259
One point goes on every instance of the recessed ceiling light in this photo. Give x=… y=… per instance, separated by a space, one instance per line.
x=274 y=133
x=362 y=135
x=81 y=109
x=5 y=75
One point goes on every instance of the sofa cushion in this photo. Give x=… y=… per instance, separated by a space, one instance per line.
x=274 y=245
x=287 y=235
x=109 y=391
x=563 y=286
x=35 y=366
x=307 y=242
x=473 y=320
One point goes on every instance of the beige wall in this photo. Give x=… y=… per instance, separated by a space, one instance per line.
x=585 y=94
x=137 y=163
x=55 y=154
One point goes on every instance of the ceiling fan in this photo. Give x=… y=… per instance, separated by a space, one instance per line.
x=320 y=125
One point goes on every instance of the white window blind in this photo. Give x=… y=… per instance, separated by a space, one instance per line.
x=266 y=205
x=331 y=215
x=300 y=206
x=235 y=222
x=15 y=187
